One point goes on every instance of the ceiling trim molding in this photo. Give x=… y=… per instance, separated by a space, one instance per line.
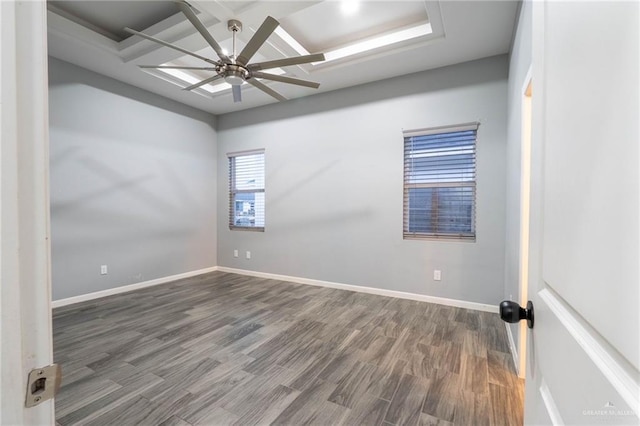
x=174 y=26
x=76 y=19
x=67 y=29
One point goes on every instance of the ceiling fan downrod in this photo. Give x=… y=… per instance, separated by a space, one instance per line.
x=234 y=73
x=234 y=26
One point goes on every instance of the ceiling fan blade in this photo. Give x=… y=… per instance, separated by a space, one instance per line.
x=203 y=82
x=160 y=67
x=284 y=79
x=268 y=26
x=172 y=46
x=286 y=62
x=186 y=9
x=266 y=89
x=237 y=92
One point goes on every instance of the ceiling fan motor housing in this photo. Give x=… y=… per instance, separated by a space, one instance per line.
x=233 y=74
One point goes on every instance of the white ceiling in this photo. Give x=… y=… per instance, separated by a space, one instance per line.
x=89 y=34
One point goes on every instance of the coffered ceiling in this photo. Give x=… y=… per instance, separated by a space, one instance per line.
x=362 y=40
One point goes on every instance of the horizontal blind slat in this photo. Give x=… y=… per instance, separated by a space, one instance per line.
x=439 y=183
x=246 y=190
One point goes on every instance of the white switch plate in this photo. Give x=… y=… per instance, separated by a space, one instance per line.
x=437 y=275
x=235 y=253
x=248 y=255
x=103 y=270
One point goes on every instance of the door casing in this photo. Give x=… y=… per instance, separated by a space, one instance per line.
x=25 y=293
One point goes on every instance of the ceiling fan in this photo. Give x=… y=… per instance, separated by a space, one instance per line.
x=236 y=69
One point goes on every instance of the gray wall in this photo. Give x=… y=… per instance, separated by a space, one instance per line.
x=334 y=184
x=520 y=62
x=132 y=183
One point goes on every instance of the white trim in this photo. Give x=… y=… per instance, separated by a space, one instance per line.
x=550 y=404
x=127 y=288
x=246 y=152
x=441 y=129
x=512 y=346
x=25 y=293
x=610 y=366
x=369 y=290
x=526 y=122
x=528 y=79
x=309 y=281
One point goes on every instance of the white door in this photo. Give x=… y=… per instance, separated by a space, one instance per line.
x=25 y=296
x=583 y=357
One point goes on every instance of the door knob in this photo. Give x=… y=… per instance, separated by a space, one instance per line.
x=512 y=312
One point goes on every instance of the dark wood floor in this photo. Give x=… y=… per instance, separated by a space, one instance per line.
x=228 y=349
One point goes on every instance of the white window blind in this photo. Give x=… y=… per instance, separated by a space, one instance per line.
x=246 y=190
x=440 y=183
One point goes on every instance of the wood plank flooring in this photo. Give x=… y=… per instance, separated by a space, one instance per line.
x=223 y=349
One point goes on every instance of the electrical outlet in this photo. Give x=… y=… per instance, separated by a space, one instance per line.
x=235 y=253
x=103 y=270
x=437 y=275
x=248 y=255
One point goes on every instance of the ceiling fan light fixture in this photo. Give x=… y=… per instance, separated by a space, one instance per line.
x=234 y=80
x=234 y=74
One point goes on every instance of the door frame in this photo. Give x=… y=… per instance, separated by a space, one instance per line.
x=25 y=255
x=526 y=127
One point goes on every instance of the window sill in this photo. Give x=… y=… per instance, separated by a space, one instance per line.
x=246 y=228
x=443 y=238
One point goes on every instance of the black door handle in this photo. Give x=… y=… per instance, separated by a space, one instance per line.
x=512 y=312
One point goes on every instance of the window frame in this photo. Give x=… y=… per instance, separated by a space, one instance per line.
x=233 y=190
x=470 y=183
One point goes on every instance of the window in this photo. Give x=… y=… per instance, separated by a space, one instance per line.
x=440 y=183
x=246 y=190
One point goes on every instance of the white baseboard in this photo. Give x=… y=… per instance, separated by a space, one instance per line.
x=370 y=290
x=361 y=289
x=513 y=347
x=128 y=288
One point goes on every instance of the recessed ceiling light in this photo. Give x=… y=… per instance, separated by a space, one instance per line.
x=349 y=7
